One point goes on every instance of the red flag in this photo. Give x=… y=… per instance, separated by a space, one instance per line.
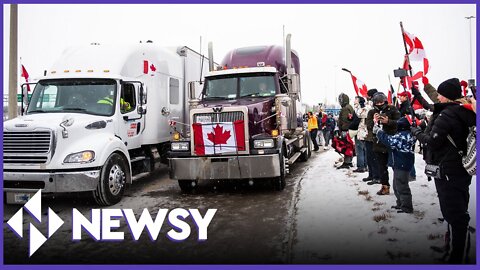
x=26 y=76
x=359 y=86
x=390 y=101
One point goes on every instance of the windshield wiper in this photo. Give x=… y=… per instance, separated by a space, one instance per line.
x=75 y=109
x=251 y=95
x=212 y=98
x=36 y=111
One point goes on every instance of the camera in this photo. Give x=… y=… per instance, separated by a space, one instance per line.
x=400 y=73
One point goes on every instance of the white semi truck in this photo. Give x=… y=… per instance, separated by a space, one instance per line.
x=98 y=120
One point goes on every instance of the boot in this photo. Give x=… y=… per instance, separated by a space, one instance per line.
x=367 y=179
x=374 y=182
x=385 y=190
x=345 y=166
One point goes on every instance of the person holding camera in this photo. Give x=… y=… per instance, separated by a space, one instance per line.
x=443 y=138
x=385 y=116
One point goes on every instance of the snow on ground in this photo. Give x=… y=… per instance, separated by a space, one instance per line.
x=341 y=219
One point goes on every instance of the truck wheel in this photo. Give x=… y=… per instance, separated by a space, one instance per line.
x=113 y=179
x=306 y=155
x=279 y=182
x=188 y=185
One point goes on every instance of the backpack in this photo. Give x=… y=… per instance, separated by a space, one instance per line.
x=469 y=159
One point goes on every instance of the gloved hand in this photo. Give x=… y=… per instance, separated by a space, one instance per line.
x=424 y=80
x=415 y=91
x=415 y=130
x=376 y=128
x=422 y=125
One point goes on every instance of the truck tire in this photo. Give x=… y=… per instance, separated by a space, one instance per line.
x=188 y=186
x=113 y=179
x=306 y=155
x=279 y=182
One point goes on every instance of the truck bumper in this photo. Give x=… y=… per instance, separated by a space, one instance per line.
x=51 y=182
x=225 y=167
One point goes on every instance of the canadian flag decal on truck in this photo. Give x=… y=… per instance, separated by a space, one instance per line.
x=217 y=138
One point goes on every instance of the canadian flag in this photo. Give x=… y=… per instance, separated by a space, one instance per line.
x=148 y=67
x=218 y=138
x=417 y=58
x=360 y=87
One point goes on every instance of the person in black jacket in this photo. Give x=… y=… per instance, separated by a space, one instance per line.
x=373 y=176
x=385 y=116
x=451 y=118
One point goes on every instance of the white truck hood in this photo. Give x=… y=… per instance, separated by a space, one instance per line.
x=50 y=121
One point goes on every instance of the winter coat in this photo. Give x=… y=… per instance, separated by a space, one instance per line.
x=390 y=128
x=402 y=145
x=448 y=119
x=346 y=114
x=312 y=123
x=362 y=127
x=330 y=124
x=405 y=108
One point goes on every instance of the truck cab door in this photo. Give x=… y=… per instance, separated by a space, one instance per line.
x=131 y=122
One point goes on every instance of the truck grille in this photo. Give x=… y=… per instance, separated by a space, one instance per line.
x=220 y=117
x=26 y=147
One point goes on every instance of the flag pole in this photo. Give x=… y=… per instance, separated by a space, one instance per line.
x=354 y=86
x=406 y=50
x=411 y=74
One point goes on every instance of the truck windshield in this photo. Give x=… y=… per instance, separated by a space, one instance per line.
x=90 y=96
x=235 y=86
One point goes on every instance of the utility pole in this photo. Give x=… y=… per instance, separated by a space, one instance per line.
x=472 y=79
x=13 y=65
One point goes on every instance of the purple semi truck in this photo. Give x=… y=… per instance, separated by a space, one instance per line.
x=245 y=123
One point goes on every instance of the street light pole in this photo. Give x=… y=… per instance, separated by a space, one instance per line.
x=472 y=80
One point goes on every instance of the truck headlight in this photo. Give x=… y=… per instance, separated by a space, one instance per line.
x=180 y=146
x=80 y=157
x=267 y=143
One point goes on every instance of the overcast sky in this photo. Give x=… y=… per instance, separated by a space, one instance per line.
x=363 y=38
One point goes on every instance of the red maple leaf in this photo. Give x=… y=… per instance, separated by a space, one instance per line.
x=153 y=68
x=218 y=136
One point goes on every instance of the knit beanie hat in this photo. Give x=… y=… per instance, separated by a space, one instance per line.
x=450 y=89
x=403 y=124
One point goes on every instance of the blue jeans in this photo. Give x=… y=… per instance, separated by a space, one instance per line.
x=361 y=152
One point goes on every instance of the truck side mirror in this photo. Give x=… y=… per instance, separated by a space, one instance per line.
x=294 y=83
x=191 y=90
x=143 y=95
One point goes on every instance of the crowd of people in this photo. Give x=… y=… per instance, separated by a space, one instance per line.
x=383 y=135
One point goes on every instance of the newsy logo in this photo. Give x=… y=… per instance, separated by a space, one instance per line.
x=103 y=222
x=34 y=208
